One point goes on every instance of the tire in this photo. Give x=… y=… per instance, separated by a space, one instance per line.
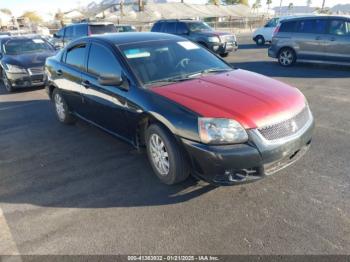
x=61 y=108
x=287 y=57
x=6 y=82
x=162 y=148
x=224 y=55
x=260 y=40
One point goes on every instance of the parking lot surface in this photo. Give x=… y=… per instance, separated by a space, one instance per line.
x=77 y=190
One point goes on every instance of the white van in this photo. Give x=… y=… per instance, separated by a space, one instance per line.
x=264 y=34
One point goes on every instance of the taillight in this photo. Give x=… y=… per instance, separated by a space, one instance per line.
x=276 y=30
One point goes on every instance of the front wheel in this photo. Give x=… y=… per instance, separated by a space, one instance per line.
x=224 y=55
x=61 y=108
x=260 y=40
x=7 y=82
x=287 y=57
x=165 y=156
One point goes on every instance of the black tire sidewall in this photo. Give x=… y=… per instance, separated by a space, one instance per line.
x=8 y=87
x=262 y=42
x=178 y=169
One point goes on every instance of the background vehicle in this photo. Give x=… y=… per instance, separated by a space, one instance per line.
x=125 y=28
x=198 y=31
x=74 y=31
x=193 y=111
x=22 y=60
x=320 y=38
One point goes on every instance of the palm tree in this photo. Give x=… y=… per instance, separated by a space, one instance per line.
x=290 y=7
x=268 y=2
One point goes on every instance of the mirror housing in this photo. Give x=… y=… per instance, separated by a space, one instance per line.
x=113 y=80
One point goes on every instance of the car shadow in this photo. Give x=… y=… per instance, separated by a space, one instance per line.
x=301 y=70
x=46 y=163
x=252 y=46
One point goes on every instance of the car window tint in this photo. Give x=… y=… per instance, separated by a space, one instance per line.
x=69 y=31
x=97 y=64
x=314 y=26
x=156 y=27
x=171 y=28
x=288 y=26
x=76 y=56
x=181 y=28
x=80 y=30
x=339 y=27
x=102 y=29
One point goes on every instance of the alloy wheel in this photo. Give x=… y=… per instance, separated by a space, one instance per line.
x=159 y=154
x=59 y=105
x=286 y=57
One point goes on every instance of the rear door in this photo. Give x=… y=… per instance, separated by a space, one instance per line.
x=338 y=40
x=310 y=38
x=105 y=105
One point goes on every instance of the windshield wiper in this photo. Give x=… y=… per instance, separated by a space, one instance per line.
x=168 y=80
x=208 y=71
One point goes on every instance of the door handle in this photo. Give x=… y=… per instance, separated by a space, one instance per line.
x=86 y=83
x=59 y=72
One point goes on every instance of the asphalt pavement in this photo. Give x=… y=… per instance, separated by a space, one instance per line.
x=77 y=190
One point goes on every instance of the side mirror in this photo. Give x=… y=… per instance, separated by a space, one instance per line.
x=113 y=80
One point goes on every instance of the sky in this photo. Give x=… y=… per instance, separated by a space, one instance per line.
x=19 y=6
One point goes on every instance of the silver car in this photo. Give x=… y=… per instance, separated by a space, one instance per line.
x=317 y=38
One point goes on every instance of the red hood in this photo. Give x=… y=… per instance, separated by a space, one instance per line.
x=251 y=99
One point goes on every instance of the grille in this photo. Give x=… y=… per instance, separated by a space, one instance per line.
x=229 y=38
x=286 y=128
x=36 y=70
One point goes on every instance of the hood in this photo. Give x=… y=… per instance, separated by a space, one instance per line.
x=249 y=98
x=28 y=60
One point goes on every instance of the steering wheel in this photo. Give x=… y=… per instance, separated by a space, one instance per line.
x=183 y=63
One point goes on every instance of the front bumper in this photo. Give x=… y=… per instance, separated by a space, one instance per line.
x=223 y=48
x=272 y=52
x=26 y=80
x=242 y=163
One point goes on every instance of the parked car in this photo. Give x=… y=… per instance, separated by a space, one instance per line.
x=71 y=32
x=322 y=38
x=192 y=111
x=197 y=31
x=125 y=28
x=22 y=60
x=263 y=35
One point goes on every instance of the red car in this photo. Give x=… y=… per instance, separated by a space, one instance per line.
x=193 y=112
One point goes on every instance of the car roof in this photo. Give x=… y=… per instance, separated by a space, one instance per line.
x=180 y=20
x=314 y=17
x=19 y=37
x=91 y=23
x=134 y=37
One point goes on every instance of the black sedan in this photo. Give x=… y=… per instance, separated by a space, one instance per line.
x=22 y=60
x=193 y=111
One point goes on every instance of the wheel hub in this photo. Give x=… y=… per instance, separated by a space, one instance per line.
x=159 y=154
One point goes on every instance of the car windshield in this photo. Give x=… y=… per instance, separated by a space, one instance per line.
x=20 y=46
x=102 y=29
x=199 y=26
x=158 y=63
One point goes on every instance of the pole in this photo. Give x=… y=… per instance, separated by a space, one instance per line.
x=281 y=6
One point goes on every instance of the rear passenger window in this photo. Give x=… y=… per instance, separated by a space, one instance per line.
x=339 y=27
x=288 y=26
x=76 y=56
x=97 y=61
x=314 y=26
x=80 y=30
x=171 y=28
x=181 y=29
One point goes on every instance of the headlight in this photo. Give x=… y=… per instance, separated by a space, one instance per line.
x=213 y=39
x=221 y=131
x=15 y=69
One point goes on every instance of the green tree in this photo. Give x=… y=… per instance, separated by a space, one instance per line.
x=242 y=2
x=290 y=7
x=268 y=3
x=308 y=2
x=32 y=17
x=6 y=11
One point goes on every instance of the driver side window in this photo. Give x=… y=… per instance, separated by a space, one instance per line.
x=97 y=65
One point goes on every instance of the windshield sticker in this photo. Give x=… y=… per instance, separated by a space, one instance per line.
x=38 y=41
x=188 y=45
x=136 y=53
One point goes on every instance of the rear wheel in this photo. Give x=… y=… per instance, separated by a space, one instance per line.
x=260 y=40
x=6 y=82
x=61 y=108
x=224 y=54
x=165 y=156
x=286 y=57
